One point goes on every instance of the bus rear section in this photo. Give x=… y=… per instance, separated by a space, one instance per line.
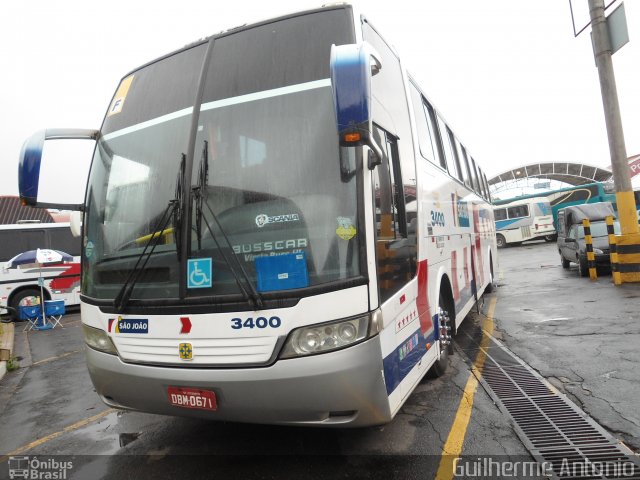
x=518 y=221
x=19 y=286
x=270 y=254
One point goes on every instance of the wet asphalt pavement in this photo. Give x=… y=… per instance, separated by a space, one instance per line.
x=582 y=336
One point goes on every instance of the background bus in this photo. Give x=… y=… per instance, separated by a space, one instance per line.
x=522 y=220
x=566 y=197
x=319 y=239
x=19 y=286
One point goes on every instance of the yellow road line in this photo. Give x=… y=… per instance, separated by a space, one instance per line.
x=453 y=446
x=52 y=436
x=51 y=359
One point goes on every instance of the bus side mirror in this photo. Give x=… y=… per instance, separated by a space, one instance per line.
x=30 y=163
x=352 y=67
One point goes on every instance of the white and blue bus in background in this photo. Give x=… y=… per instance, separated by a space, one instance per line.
x=524 y=219
x=279 y=227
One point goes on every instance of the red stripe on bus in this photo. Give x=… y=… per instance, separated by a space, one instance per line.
x=422 y=302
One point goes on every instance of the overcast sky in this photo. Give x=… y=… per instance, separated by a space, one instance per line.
x=508 y=75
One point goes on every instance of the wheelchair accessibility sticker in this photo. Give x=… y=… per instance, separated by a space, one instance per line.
x=199 y=273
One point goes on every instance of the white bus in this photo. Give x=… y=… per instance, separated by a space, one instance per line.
x=278 y=227
x=520 y=220
x=19 y=286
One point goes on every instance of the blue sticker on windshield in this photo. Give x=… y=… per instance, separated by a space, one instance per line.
x=282 y=272
x=199 y=273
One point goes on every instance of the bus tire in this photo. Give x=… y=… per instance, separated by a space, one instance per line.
x=501 y=241
x=17 y=298
x=491 y=286
x=446 y=348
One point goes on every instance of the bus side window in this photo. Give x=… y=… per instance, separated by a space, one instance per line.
x=61 y=239
x=467 y=171
x=429 y=148
x=396 y=252
x=454 y=161
x=447 y=147
x=486 y=187
x=428 y=137
x=519 y=211
x=500 y=214
x=475 y=176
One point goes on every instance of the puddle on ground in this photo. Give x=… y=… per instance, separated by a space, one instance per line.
x=127 y=438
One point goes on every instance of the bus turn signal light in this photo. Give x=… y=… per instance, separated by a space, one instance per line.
x=352 y=137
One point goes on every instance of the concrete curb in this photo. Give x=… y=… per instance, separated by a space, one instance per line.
x=6 y=339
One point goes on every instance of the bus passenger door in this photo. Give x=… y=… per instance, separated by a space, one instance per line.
x=396 y=251
x=396 y=266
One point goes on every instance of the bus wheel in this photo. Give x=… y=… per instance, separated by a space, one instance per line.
x=501 y=241
x=550 y=238
x=446 y=339
x=490 y=287
x=19 y=299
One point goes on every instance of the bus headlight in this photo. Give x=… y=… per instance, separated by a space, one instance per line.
x=326 y=337
x=98 y=340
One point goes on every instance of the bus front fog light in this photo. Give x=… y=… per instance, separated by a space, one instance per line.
x=98 y=340
x=327 y=337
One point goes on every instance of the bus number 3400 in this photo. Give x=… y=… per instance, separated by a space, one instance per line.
x=259 y=322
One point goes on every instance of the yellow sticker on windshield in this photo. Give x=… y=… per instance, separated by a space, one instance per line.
x=346 y=229
x=121 y=94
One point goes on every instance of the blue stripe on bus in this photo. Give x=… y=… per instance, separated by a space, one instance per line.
x=502 y=224
x=401 y=361
x=466 y=294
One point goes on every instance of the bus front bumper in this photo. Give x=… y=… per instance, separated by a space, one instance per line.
x=344 y=388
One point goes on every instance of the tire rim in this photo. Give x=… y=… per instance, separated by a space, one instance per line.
x=444 y=330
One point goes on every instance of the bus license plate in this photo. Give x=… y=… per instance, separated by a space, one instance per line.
x=192 y=398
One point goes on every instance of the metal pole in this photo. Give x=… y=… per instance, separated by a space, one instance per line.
x=602 y=51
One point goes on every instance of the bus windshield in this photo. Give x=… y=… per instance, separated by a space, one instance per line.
x=270 y=201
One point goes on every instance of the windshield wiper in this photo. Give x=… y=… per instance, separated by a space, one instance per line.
x=173 y=209
x=251 y=295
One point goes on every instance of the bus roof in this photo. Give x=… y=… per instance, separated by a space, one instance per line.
x=520 y=201
x=548 y=192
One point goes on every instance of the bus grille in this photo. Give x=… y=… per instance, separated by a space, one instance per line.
x=525 y=231
x=205 y=351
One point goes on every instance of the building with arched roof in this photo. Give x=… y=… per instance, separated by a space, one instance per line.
x=540 y=175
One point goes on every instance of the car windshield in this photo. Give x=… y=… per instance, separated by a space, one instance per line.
x=599 y=229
